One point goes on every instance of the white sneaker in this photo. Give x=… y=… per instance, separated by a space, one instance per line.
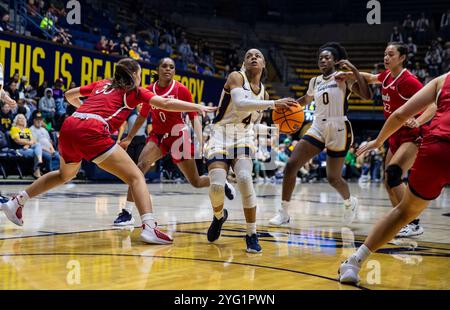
x=13 y=211
x=154 y=235
x=281 y=218
x=410 y=230
x=348 y=272
x=350 y=211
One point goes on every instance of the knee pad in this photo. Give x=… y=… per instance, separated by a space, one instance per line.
x=217 y=179
x=394 y=175
x=243 y=170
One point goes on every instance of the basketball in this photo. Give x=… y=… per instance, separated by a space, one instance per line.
x=289 y=121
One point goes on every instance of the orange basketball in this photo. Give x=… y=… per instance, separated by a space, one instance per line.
x=289 y=121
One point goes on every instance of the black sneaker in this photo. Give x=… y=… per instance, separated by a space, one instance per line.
x=253 y=244
x=216 y=226
x=124 y=218
x=230 y=192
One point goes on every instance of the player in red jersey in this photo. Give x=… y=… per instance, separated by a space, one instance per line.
x=169 y=134
x=429 y=174
x=87 y=135
x=397 y=86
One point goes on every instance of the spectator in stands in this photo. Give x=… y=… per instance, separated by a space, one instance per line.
x=41 y=136
x=350 y=169
x=165 y=46
x=412 y=49
x=47 y=106
x=21 y=84
x=60 y=103
x=433 y=60
x=6 y=117
x=422 y=28
x=32 y=8
x=419 y=72
x=396 y=36
x=446 y=58
x=408 y=26
x=12 y=90
x=47 y=22
x=445 y=25
x=22 y=106
x=102 y=45
x=185 y=51
x=5 y=25
x=62 y=36
x=41 y=89
x=23 y=141
x=14 y=78
x=207 y=71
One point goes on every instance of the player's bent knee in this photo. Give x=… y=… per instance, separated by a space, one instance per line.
x=394 y=175
x=245 y=183
x=217 y=179
x=334 y=181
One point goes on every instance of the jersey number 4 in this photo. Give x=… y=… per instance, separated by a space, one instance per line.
x=247 y=120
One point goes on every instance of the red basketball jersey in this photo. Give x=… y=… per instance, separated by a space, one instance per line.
x=163 y=121
x=114 y=105
x=440 y=125
x=395 y=92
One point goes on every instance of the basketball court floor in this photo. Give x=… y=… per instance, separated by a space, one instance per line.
x=68 y=242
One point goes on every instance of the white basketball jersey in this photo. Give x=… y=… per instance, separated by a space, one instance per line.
x=330 y=96
x=227 y=113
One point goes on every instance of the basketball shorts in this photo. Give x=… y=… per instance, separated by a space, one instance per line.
x=227 y=143
x=431 y=171
x=87 y=139
x=334 y=134
x=179 y=147
x=403 y=135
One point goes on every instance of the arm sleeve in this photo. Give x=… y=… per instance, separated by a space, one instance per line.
x=248 y=104
x=87 y=89
x=185 y=95
x=310 y=91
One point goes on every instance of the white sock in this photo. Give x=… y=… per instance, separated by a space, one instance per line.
x=23 y=197
x=219 y=214
x=251 y=229
x=361 y=254
x=129 y=205
x=347 y=202
x=285 y=205
x=148 y=219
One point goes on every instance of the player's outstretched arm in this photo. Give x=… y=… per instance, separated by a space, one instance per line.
x=175 y=105
x=416 y=104
x=125 y=142
x=361 y=85
x=234 y=84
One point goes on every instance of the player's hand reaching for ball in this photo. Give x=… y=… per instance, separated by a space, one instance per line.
x=205 y=109
x=285 y=103
x=372 y=145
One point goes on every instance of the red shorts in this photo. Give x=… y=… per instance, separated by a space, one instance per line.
x=180 y=147
x=431 y=171
x=404 y=135
x=86 y=139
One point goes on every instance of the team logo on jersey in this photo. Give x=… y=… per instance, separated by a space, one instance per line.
x=392 y=87
x=386 y=98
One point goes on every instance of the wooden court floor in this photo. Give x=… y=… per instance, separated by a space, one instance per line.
x=68 y=242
